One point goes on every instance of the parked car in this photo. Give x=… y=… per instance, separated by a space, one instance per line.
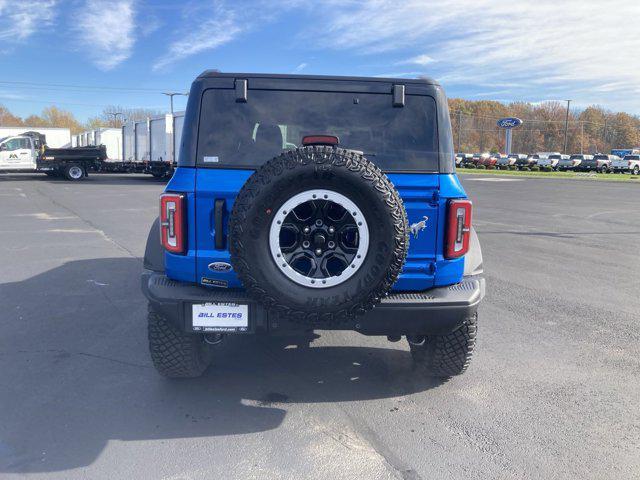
x=288 y=227
x=481 y=158
x=573 y=162
x=476 y=158
x=465 y=158
x=488 y=159
x=504 y=162
x=511 y=160
x=552 y=160
x=526 y=163
x=600 y=162
x=630 y=163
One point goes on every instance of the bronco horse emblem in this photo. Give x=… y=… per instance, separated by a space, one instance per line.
x=416 y=228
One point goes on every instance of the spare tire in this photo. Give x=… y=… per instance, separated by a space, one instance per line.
x=318 y=234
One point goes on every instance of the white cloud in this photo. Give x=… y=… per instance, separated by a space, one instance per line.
x=420 y=60
x=106 y=31
x=20 y=20
x=399 y=75
x=218 y=28
x=12 y=95
x=534 y=43
x=300 y=67
x=220 y=22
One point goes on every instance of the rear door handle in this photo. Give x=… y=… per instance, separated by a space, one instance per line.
x=218 y=224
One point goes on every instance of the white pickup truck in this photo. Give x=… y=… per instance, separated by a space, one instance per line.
x=573 y=162
x=630 y=163
x=28 y=152
x=551 y=160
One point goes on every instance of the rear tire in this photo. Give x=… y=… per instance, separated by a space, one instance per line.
x=447 y=355
x=176 y=354
x=636 y=170
x=73 y=172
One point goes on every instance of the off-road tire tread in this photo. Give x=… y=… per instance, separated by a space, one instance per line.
x=176 y=354
x=336 y=158
x=447 y=355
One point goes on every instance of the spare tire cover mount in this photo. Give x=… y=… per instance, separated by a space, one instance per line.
x=319 y=238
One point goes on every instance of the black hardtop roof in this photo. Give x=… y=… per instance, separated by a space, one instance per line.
x=286 y=76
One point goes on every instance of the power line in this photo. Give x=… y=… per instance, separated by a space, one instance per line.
x=74 y=91
x=83 y=87
x=528 y=120
x=55 y=102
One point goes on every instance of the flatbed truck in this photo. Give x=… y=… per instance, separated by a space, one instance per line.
x=28 y=152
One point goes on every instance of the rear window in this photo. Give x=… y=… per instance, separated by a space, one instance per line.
x=601 y=157
x=632 y=157
x=246 y=135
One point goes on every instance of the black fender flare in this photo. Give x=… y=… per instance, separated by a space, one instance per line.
x=153 y=252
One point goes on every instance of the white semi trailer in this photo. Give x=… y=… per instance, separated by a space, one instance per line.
x=111 y=138
x=147 y=146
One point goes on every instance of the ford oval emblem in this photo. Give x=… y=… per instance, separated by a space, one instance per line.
x=220 y=267
x=509 y=122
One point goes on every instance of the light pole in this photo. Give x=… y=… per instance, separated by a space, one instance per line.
x=459 y=128
x=566 y=126
x=115 y=117
x=171 y=95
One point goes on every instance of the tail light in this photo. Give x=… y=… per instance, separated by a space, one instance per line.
x=458 y=228
x=172 y=222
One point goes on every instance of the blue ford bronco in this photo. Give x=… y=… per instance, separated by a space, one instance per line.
x=305 y=203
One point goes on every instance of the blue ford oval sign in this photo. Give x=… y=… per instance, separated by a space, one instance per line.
x=509 y=122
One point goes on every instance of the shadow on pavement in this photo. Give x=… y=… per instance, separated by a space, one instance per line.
x=75 y=373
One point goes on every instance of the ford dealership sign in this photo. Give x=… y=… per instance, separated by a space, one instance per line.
x=509 y=122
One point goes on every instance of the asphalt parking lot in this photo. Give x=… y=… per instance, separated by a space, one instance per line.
x=552 y=391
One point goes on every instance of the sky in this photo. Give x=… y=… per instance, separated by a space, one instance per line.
x=83 y=55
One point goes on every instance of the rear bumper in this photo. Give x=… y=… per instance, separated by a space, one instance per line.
x=433 y=312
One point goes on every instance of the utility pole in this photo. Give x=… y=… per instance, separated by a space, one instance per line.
x=459 y=128
x=581 y=136
x=566 y=126
x=604 y=136
x=171 y=95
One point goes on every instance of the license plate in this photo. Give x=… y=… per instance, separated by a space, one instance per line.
x=220 y=317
